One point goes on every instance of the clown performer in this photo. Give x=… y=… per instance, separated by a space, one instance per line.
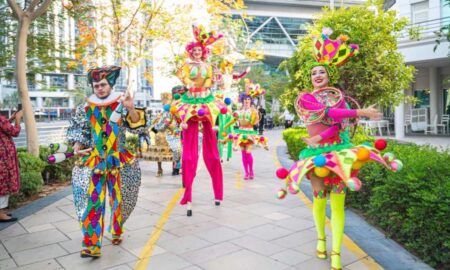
x=226 y=79
x=331 y=162
x=143 y=133
x=167 y=140
x=198 y=104
x=245 y=136
x=97 y=132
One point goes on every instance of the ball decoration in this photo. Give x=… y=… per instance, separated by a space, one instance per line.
x=354 y=184
x=293 y=189
x=282 y=173
x=173 y=110
x=396 y=165
x=320 y=161
x=230 y=136
x=224 y=134
x=201 y=112
x=380 y=144
x=363 y=154
x=177 y=96
x=262 y=139
x=227 y=101
x=388 y=157
x=357 y=165
x=235 y=115
x=281 y=193
x=321 y=171
x=223 y=110
x=166 y=107
x=244 y=137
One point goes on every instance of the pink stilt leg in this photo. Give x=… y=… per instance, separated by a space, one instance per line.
x=189 y=159
x=212 y=159
x=245 y=163
x=250 y=164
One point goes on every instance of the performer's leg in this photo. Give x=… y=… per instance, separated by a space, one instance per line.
x=160 y=170
x=92 y=220
x=189 y=159
x=250 y=162
x=212 y=160
x=148 y=140
x=244 y=162
x=319 y=213
x=115 y=203
x=337 y=201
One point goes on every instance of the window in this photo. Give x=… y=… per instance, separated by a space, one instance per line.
x=419 y=12
x=423 y=98
x=445 y=11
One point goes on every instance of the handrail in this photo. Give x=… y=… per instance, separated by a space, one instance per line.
x=424 y=30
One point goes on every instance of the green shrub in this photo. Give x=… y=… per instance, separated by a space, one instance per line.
x=412 y=206
x=59 y=172
x=132 y=142
x=31 y=182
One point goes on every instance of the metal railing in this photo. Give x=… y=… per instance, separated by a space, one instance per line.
x=423 y=30
x=46 y=135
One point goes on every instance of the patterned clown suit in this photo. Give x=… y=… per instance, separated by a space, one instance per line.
x=109 y=165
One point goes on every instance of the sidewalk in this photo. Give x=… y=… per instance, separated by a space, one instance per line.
x=250 y=230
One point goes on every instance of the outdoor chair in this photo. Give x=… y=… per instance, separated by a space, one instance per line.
x=433 y=127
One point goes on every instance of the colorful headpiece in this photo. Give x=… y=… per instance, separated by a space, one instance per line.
x=252 y=90
x=202 y=39
x=332 y=52
x=110 y=73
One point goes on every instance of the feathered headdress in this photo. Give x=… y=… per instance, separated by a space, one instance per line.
x=202 y=39
x=110 y=73
x=332 y=52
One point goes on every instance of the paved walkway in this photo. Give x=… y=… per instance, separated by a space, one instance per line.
x=250 y=230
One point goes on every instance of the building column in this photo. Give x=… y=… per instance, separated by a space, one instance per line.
x=39 y=102
x=38 y=85
x=434 y=92
x=400 y=121
x=70 y=82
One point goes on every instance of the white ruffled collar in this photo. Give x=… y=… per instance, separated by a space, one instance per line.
x=113 y=97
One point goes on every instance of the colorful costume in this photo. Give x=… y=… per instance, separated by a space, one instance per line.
x=335 y=161
x=245 y=136
x=167 y=140
x=101 y=124
x=198 y=104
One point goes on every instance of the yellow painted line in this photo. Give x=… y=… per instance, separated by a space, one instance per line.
x=238 y=183
x=348 y=243
x=146 y=253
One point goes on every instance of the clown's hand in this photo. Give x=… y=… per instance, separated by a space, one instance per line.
x=184 y=125
x=128 y=101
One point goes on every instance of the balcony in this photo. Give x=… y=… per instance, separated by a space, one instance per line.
x=423 y=30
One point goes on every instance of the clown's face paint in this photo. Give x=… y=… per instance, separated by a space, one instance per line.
x=319 y=77
x=102 y=89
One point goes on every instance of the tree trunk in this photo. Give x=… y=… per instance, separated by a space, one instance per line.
x=21 y=77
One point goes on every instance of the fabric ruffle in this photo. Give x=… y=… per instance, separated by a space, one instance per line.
x=199 y=109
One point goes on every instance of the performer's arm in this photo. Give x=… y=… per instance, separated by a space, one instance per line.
x=183 y=75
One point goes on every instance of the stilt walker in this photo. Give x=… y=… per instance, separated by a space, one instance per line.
x=197 y=105
x=331 y=162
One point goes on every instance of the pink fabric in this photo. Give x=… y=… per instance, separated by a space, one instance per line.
x=341 y=113
x=250 y=163
x=245 y=162
x=330 y=132
x=309 y=102
x=210 y=156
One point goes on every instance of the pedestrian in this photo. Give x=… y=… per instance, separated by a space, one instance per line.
x=262 y=119
x=9 y=163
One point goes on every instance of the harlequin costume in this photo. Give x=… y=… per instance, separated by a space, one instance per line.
x=101 y=124
x=167 y=146
x=335 y=160
x=196 y=105
x=245 y=136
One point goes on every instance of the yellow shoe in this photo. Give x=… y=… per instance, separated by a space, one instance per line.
x=92 y=252
x=336 y=261
x=321 y=254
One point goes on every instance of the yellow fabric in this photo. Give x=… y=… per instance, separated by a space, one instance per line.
x=337 y=202
x=319 y=207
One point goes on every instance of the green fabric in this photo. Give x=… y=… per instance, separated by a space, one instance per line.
x=246 y=132
x=192 y=100
x=194 y=72
x=337 y=202
x=223 y=120
x=314 y=151
x=319 y=207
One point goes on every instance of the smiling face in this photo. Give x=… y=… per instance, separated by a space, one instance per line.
x=102 y=89
x=197 y=53
x=319 y=77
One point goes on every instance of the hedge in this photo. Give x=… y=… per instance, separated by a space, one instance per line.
x=412 y=206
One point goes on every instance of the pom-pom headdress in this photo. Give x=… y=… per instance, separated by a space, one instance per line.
x=110 y=73
x=252 y=90
x=202 y=39
x=332 y=52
